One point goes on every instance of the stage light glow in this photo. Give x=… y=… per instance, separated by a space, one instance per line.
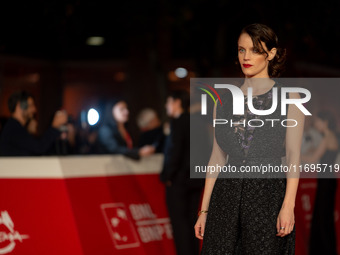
x=92 y=117
x=181 y=72
x=95 y=41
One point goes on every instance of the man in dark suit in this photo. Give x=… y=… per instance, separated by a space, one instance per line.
x=182 y=193
x=15 y=139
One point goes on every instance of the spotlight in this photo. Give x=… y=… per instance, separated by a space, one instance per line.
x=95 y=41
x=92 y=117
x=181 y=72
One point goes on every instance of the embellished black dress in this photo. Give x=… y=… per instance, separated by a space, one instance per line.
x=243 y=210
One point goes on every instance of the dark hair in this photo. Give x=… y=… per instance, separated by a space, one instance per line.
x=108 y=117
x=262 y=33
x=18 y=97
x=327 y=116
x=183 y=96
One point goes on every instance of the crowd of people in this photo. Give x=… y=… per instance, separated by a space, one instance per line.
x=19 y=133
x=19 y=138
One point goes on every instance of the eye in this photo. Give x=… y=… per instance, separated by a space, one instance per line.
x=255 y=51
x=241 y=50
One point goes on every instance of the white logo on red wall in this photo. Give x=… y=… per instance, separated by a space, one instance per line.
x=149 y=227
x=122 y=231
x=8 y=236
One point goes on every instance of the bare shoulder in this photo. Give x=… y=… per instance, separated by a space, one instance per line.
x=295 y=95
x=332 y=141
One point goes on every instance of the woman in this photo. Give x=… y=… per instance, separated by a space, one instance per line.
x=322 y=236
x=113 y=136
x=253 y=215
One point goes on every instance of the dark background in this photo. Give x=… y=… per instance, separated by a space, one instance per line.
x=43 y=47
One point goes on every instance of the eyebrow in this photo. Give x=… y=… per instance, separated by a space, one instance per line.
x=244 y=48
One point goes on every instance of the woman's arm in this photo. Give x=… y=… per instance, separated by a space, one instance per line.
x=217 y=157
x=106 y=136
x=293 y=149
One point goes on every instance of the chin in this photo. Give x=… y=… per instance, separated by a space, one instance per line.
x=248 y=74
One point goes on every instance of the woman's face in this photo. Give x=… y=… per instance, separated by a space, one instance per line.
x=172 y=106
x=120 y=112
x=253 y=64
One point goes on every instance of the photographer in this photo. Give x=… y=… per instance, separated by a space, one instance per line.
x=15 y=140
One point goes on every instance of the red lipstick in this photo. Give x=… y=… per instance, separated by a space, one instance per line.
x=247 y=65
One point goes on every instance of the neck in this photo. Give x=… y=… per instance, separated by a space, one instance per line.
x=120 y=125
x=19 y=118
x=262 y=74
x=258 y=85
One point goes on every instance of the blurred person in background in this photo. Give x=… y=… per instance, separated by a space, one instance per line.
x=182 y=193
x=151 y=129
x=66 y=144
x=16 y=139
x=32 y=127
x=311 y=137
x=87 y=141
x=3 y=121
x=322 y=236
x=113 y=135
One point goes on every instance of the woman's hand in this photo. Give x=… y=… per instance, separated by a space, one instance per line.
x=285 y=220
x=200 y=225
x=146 y=150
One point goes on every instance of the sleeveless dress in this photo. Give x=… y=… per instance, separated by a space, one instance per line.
x=243 y=210
x=323 y=234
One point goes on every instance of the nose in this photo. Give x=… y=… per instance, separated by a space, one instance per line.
x=246 y=55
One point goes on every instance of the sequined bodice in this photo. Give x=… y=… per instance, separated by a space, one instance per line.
x=245 y=133
x=251 y=141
